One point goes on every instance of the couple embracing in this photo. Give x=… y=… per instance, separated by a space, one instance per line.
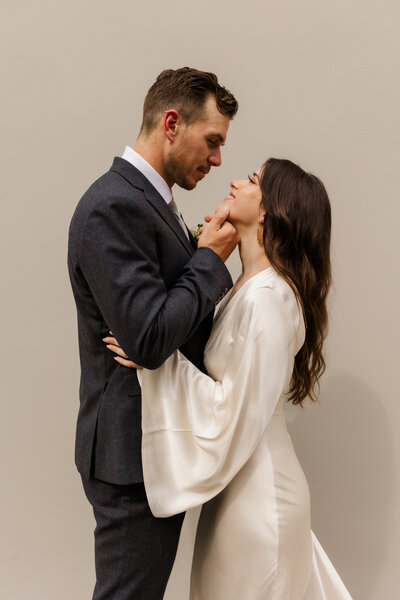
x=181 y=408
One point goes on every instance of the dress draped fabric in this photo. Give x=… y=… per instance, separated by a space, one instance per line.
x=221 y=440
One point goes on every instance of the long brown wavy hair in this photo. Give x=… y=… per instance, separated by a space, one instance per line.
x=297 y=233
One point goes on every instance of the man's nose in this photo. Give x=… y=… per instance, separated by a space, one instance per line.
x=215 y=158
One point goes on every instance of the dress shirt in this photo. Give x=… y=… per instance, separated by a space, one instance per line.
x=147 y=170
x=155 y=179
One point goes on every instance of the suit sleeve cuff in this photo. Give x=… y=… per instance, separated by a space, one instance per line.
x=217 y=273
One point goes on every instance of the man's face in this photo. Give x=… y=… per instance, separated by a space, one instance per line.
x=197 y=147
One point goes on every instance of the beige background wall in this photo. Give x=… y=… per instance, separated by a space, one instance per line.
x=317 y=83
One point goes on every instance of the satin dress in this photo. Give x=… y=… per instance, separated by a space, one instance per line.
x=221 y=441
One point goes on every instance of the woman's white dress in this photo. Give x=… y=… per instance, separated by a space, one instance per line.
x=221 y=440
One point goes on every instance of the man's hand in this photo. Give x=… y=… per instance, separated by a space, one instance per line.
x=219 y=235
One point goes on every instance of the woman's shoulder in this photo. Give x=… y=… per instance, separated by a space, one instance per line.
x=271 y=299
x=269 y=286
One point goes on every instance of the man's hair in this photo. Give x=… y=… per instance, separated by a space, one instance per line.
x=185 y=90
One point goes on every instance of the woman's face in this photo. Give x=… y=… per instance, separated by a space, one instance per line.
x=244 y=200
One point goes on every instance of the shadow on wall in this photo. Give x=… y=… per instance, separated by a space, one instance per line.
x=343 y=443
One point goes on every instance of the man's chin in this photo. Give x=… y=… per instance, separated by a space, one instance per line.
x=187 y=184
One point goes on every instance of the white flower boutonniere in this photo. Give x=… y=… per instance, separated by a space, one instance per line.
x=195 y=231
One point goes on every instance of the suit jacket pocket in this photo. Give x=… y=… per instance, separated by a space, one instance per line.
x=131 y=384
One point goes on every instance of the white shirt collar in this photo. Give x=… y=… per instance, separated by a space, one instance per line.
x=147 y=170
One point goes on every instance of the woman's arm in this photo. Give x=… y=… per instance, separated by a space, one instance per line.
x=197 y=432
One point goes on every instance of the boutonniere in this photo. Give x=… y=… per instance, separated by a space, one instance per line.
x=195 y=231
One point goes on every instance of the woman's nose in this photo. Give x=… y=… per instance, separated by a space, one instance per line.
x=237 y=183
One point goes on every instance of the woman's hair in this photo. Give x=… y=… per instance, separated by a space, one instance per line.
x=297 y=232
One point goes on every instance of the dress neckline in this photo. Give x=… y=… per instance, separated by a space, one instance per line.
x=254 y=281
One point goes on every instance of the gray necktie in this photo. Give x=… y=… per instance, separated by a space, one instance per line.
x=172 y=205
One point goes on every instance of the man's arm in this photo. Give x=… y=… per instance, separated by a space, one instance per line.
x=118 y=257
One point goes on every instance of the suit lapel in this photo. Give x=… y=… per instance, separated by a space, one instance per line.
x=192 y=240
x=161 y=207
x=138 y=180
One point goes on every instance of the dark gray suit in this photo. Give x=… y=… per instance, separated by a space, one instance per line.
x=133 y=271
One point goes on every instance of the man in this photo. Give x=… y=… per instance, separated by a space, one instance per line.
x=135 y=270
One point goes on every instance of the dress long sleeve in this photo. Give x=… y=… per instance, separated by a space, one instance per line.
x=198 y=432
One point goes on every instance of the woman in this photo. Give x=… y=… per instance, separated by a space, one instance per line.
x=221 y=440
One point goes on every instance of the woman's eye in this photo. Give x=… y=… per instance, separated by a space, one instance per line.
x=250 y=179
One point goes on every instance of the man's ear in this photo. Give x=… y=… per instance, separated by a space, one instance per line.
x=172 y=120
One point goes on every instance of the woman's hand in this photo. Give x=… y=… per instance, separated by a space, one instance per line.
x=121 y=357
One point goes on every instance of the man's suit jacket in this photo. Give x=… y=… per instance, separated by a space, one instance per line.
x=134 y=272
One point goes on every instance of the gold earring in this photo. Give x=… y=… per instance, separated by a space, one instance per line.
x=259 y=234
